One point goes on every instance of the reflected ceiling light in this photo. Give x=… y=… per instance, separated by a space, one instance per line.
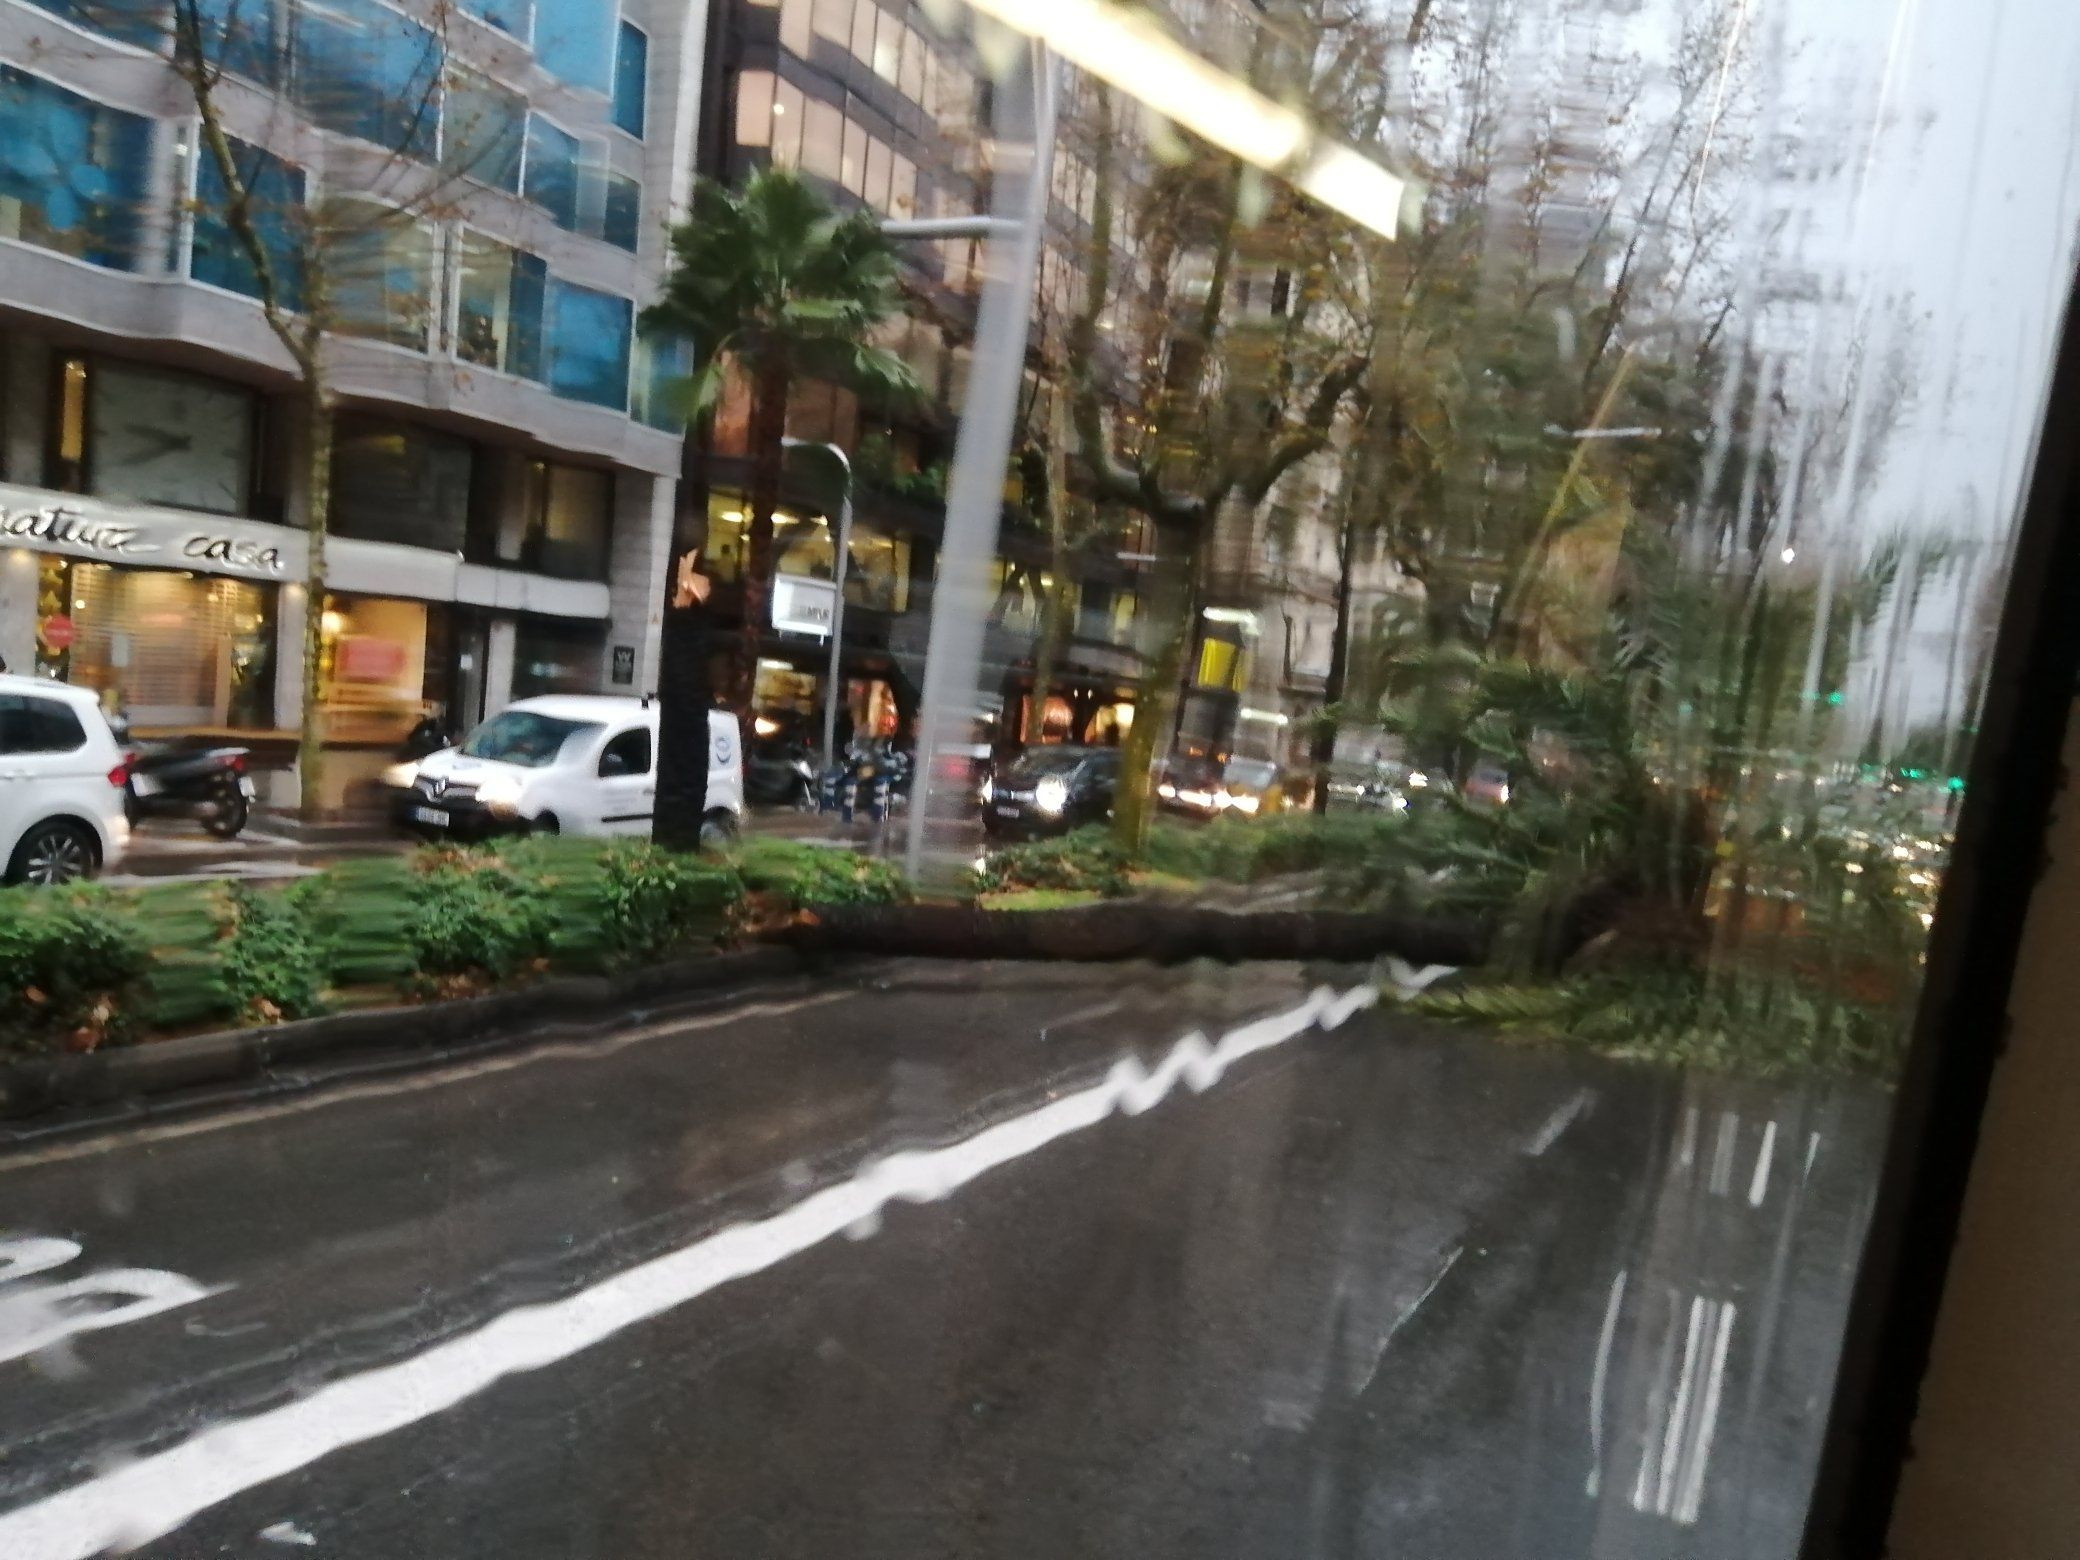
x=1134 y=54
x=1789 y=554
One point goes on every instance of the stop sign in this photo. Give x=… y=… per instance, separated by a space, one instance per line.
x=56 y=631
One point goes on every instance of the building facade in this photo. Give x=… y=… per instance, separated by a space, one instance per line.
x=502 y=489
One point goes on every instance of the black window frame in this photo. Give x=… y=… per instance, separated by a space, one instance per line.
x=632 y=734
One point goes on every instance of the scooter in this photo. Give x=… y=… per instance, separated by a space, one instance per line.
x=210 y=786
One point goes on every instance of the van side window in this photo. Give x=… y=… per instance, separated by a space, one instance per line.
x=627 y=754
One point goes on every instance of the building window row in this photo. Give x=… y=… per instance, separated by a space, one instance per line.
x=913 y=63
x=820 y=138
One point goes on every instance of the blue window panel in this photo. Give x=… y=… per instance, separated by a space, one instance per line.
x=131 y=21
x=240 y=36
x=364 y=70
x=664 y=363
x=574 y=41
x=79 y=170
x=631 y=79
x=530 y=301
x=622 y=218
x=508 y=16
x=276 y=192
x=483 y=128
x=552 y=171
x=589 y=336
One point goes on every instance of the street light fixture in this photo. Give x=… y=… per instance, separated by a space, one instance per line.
x=841 y=556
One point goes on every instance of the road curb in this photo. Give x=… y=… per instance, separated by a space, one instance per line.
x=44 y=1095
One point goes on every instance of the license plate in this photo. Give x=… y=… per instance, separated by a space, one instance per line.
x=432 y=815
x=245 y=787
x=144 y=785
x=1005 y=810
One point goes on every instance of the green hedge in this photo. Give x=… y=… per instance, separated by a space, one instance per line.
x=86 y=967
x=1085 y=861
x=1228 y=850
x=817 y=874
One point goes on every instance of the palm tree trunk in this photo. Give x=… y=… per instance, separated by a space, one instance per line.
x=310 y=740
x=768 y=427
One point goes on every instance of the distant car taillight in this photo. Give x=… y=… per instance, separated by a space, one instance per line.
x=120 y=775
x=238 y=763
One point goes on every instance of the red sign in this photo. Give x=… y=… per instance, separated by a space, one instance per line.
x=56 y=631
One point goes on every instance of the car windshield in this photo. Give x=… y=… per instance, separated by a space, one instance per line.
x=1254 y=773
x=527 y=738
x=1048 y=761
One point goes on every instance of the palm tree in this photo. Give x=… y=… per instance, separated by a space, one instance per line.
x=772 y=282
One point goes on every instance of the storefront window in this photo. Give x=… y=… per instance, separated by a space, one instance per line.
x=156 y=437
x=395 y=483
x=727 y=524
x=72 y=173
x=570 y=516
x=169 y=649
x=372 y=668
x=552 y=655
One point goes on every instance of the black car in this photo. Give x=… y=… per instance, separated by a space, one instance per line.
x=1051 y=790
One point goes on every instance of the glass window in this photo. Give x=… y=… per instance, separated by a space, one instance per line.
x=852 y=166
x=728 y=525
x=832 y=19
x=524 y=737
x=631 y=79
x=621 y=218
x=510 y=16
x=172 y=649
x=588 y=340
x=575 y=41
x=157 y=437
x=552 y=171
x=627 y=753
x=902 y=188
x=483 y=129
x=795 y=29
x=131 y=21
x=574 y=515
x=368 y=71
x=879 y=161
x=32 y=725
x=393 y=482
x=498 y=305
x=788 y=113
x=275 y=194
x=380 y=268
x=554 y=655
x=865 y=17
x=823 y=138
x=755 y=108
x=888 y=47
x=663 y=363
x=525 y=349
x=73 y=174
x=910 y=77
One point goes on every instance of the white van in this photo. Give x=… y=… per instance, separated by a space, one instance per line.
x=564 y=764
x=62 y=775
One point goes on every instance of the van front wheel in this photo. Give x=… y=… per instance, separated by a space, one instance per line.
x=718 y=830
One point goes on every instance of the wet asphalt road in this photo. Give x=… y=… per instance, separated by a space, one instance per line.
x=1375 y=1292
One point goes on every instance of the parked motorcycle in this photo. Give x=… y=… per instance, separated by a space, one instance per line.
x=210 y=786
x=873 y=778
x=782 y=775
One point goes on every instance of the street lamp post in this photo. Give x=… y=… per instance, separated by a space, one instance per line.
x=841 y=557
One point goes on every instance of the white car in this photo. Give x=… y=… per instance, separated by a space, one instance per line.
x=564 y=764
x=62 y=775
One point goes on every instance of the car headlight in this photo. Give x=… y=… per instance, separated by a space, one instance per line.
x=402 y=775
x=500 y=795
x=1166 y=790
x=989 y=789
x=1418 y=780
x=1051 y=795
x=1243 y=802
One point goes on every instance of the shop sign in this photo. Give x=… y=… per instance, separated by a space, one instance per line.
x=153 y=538
x=624 y=665
x=56 y=632
x=803 y=606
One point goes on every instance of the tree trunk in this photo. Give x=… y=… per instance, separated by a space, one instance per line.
x=683 y=701
x=310 y=741
x=1155 y=707
x=768 y=428
x=1324 y=753
x=1054 y=621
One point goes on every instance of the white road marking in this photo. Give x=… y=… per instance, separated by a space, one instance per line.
x=1690 y=1493
x=1672 y=1485
x=1758 y=1188
x=1599 y=1381
x=289 y=1533
x=1657 y=1403
x=1812 y=1153
x=1722 y=1153
x=22 y=1255
x=1563 y=1118
x=1686 y=1151
x=1401 y=1321
x=1081 y=1015
x=1412 y=982
x=142 y=1500
x=35 y=1316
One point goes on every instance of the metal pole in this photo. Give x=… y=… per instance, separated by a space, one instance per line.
x=841 y=558
x=951 y=696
